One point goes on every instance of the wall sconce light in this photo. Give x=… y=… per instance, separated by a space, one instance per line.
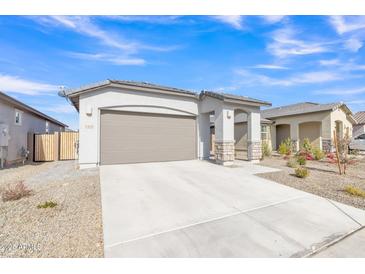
x=229 y=114
x=89 y=110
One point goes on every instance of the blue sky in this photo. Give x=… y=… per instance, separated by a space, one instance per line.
x=281 y=59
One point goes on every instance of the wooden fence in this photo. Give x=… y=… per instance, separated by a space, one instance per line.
x=55 y=146
x=68 y=145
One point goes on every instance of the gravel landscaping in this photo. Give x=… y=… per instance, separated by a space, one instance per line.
x=323 y=179
x=72 y=228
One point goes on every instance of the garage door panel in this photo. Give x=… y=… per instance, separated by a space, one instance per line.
x=140 y=137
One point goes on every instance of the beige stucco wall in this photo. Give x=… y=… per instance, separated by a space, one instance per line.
x=18 y=133
x=312 y=131
x=340 y=115
x=295 y=120
x=326 y=118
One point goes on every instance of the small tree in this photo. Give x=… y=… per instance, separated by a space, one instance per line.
x=342 y=150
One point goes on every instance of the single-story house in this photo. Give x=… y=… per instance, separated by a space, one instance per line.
x=16 y=121
x=133 y=122
x=359 y=127
x=316 y=122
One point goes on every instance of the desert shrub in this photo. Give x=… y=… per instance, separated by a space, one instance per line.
x=301 y=172
x=355 y=191
x=266 y=150
x=354 y=152
x=318 y=154
x=307 y=146
x=47 y=204
x=302 y=160
x=292 y=162
x=15 y=192
x=285 y=148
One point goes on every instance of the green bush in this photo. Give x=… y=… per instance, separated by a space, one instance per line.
x=285 y=148
x=292 y=162
x=307 y=146
x=318 y=153
x=301 y=160
x=266 y=150
x=301 y=172
x=47 y=204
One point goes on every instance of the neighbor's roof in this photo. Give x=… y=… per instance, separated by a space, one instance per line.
x=233 y=98
x=73 y=94
x=360 y=117
x=22 y=106
x=302 y=108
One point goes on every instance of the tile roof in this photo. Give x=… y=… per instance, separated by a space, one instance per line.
x=299 y=108
x=360 y=117
x=223 y=96
x=23 y=106
x=70 y=92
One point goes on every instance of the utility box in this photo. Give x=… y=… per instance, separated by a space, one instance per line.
x=4 y=135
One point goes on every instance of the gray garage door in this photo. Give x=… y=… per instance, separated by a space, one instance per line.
x=131 y=137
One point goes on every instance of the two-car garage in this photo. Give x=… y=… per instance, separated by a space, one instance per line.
x=135 y=137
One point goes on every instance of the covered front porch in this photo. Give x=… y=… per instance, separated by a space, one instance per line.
x=219 y=114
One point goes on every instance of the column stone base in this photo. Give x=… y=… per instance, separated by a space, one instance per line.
x=254 y=151
x=327 y=145
x=224 y=152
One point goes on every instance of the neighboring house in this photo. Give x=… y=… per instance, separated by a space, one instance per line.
x=316 y=122
x=134 y=122
x=359 y=127
x=16 y=121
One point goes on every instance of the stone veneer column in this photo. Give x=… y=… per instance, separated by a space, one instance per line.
x=224 y=135
x=254 y=150
x=326 y=145
x=224 y=152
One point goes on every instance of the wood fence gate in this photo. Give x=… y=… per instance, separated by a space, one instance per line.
x=56 y=146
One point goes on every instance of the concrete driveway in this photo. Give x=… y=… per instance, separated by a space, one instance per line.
x=199 y=209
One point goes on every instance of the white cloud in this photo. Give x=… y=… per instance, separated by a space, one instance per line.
x=273 y=19
x=286 y=44
x=345 y=24
x=353 y=44
x=269 y=66
x=297 y=79
x=235 y=21
x=86 y=26
x=151 y=19
x=16 y=84
x=342 y=91
x=329 y=62
x=110 y=58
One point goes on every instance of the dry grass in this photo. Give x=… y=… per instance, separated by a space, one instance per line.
x=15 y=192
x=353 y=190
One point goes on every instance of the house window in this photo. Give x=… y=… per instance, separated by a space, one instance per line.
x=264 y=132
x=18 y=117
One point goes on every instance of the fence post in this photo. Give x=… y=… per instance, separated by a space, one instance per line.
x=56 y=145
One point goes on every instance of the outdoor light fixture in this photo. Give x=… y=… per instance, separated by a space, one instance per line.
x=89 y=110
x=228 y=114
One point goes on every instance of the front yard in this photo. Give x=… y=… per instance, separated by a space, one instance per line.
x=323 y=180
x=71 y=228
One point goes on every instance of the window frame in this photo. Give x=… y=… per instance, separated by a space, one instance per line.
x=20 y=120
x=264 y=132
